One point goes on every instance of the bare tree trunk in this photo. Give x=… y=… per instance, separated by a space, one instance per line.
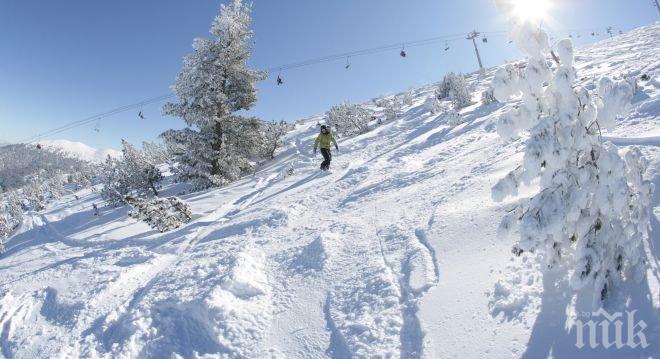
x=153 y=188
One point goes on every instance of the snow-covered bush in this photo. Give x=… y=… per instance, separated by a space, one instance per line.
x=11 y=213
x=213 y=85
x=454 y=87
x=634 y=85
x=592 y=210
x=273 y=137
x=162 y=214
x=381 y=102
x=35 y=195
x=5 y=230
x=349 y=119
x=393 y=110
x=453 y=118
x=488 y=97
x=433 y=105
x=407 y=98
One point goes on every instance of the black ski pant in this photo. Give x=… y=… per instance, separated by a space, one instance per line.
x=327 y=157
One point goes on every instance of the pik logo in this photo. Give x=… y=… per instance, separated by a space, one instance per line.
x=610 y=330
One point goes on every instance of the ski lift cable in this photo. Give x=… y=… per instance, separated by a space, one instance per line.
x=97 y=117
x=368 y=51
x=358 y=53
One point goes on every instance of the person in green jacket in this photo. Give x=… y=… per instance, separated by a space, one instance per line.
x=324 y=140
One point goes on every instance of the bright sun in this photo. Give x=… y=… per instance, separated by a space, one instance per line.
x=531 y=9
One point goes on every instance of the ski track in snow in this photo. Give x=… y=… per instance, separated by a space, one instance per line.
x=387 y=255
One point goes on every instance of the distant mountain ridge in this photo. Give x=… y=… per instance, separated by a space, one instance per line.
x=81 y=150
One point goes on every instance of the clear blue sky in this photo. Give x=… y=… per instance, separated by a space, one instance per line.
x=64 y=60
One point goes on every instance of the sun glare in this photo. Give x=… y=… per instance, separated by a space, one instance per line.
x=532 y=10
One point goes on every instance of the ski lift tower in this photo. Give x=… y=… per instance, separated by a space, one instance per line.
x=472 y=36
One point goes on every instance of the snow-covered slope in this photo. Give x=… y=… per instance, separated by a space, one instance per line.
x=392 y=254
x=81 y=150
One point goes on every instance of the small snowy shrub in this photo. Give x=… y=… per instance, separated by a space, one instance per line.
x=381 y=102
x=349 y=119
x=634 y=84
x=407 y=98
x=592 y=210
x=392 y=110
x=162 y=214
x=453 y=118
x=488 y=97
x=455 y=88
x=433 y=105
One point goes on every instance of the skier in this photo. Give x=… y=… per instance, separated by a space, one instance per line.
x=325 y=139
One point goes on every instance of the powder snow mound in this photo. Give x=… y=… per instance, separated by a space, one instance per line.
x=81 y=150
x=247 y=277
x=393 y=254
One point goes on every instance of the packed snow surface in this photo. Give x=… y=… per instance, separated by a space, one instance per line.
x=393 y=253
x=81 y=150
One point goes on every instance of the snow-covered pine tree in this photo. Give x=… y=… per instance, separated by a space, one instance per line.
x=143 y=176
x=273 y=137
x=454 y=87
x=13 y=207
x=35 y=195
x=162 y=214
x=5 y=230
x=214 y=83
x=592 y=210
x=54 y=187
x=156 y=153
x=349 y=119
x=191 y=156
x=115 y=181
x=243 y=142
